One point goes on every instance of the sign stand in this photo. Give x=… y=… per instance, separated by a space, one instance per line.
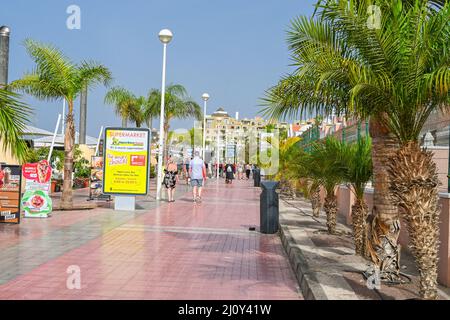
x=36 y=201
x=96 y=180
x=125 y=203
x=10 y=191
x=126 y=165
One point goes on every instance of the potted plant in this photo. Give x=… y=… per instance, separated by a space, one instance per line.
x=82 y=177
x=53 y=186
x=82 y=170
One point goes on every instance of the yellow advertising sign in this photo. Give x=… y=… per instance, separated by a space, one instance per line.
x=126 y=161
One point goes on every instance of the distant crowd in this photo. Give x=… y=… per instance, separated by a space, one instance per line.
x=195 y=172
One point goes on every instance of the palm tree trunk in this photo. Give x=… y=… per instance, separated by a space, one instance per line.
x=414 y=187
x=384 y=229
x=285 y=187
x=124 y=122
x=331 y=209
x=69 y=142
x=359 y=216
x=315 y=201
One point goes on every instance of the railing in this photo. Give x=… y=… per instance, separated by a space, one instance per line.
x=350 y=133
x=438 y=124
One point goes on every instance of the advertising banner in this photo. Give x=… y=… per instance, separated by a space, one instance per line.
x=36 y=201
x=126 y=161
x=96 y=178
x=10 y=182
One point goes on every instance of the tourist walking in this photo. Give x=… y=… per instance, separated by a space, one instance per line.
x=210 y=173
x=229 y=173
x=240 y=170
x=197 y=172
x=248 y=170
x=170 y=179
x=186 y=170
x=221 y=170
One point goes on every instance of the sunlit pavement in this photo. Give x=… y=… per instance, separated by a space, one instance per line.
x=175 y=250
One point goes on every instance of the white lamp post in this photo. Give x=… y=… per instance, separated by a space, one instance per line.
x=205 y=98
x=218 y=153
x=165 y=36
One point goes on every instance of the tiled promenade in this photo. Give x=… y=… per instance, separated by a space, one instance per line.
x=179 y=250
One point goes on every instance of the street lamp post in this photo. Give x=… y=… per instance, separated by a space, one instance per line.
x=83 y=115
x=218 y=154
x=165 y=36
x=4 y=54
x=205 y=98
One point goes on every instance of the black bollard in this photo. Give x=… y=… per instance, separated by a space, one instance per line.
x=269 y=207
x=257 y=177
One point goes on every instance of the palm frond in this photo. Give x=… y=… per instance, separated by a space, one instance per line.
x=121 y=99
x=41 y=89
x=91 y=73
x=14 y=115
x=400 y=69
x=54 y=74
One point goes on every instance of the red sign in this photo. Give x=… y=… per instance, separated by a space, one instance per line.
x=138 y=161
x=40 y=172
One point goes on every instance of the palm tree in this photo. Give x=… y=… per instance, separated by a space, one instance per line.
x=295 y=170
x=130 y=107
x=138 y=109
x=322 y=166
x=151 y=110
x=397 y=74
x=330 y=67
x=195 y=136
x=355 y=165
x=170 y=138
x=13 y=119
x=55 y=77
x=288 y=154
x=123 y=102
x=177 y=105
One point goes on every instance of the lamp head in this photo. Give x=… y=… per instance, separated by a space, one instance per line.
x=165 y=36
x=4 y=31
x=205 y=97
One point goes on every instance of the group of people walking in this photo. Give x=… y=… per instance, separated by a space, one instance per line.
x=195 y=173
x=239 y=171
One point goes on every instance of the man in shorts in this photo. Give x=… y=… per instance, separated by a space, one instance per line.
x=197 y=172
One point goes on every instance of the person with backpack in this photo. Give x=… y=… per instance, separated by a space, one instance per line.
x=229 y=174
x=248 y=170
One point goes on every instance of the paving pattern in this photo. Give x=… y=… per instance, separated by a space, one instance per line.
x=175 y=250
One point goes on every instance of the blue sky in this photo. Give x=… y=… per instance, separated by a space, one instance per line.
x=232 y=49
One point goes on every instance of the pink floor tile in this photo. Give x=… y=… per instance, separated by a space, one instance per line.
x=176 y=251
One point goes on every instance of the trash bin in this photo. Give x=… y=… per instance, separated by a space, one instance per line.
x=257 y=177
x=269 y=211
